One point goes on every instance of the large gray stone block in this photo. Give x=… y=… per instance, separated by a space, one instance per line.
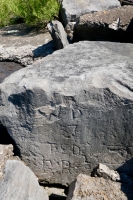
x=73 y=9
x=72 y=110
x=19 y=182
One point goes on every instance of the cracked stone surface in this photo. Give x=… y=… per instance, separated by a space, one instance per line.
x=72 y=110
x=23 y=44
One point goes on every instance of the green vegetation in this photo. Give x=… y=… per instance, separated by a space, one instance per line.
x=31 y=12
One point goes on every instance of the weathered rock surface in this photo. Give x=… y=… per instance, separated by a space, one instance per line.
x=71 y=10
x=19 y=182
x=72 y=110
x=90 y=188
x=58 y=34
x=112 y=25
x=24 y=45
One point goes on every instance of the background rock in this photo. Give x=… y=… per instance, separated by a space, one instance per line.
x=112 y=25
x=19 y=182
x=23 y=44
x=7 y=68
x=72 y=110
x=72 y=10
x=58 y=34
x=90 y=188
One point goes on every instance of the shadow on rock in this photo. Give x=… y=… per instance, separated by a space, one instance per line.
x=127 y=178
x=129 y=32
x=44 y=50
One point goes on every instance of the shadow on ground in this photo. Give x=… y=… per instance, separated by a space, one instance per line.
x=44 y=50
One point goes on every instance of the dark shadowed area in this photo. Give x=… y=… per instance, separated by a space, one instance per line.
x=7 y=68
x=127 y=179
x=5 y=138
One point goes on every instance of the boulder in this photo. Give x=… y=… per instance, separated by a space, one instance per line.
x=72 y=110
x=58 y=34
x=90 y=188
x=72 y=10
x=112 y=25
x=19 y=182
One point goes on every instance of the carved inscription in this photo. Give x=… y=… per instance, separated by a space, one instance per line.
x=65 y=149
x=76 y=150
x=54 y=165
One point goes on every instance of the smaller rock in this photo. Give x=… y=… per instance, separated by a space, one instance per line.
x=6 y=152
x=90 y=188
x=105 y=172
x=19 y=183
x=55 y=193
x=70 y=29
x=58 y=34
